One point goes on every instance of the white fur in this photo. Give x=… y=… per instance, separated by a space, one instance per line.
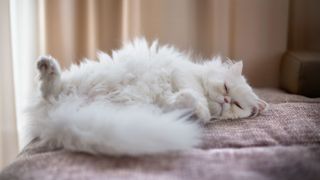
x=103 y=128
x=136 y=101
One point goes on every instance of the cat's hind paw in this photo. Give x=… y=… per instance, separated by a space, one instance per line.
x=48 y=67
x=49 y=72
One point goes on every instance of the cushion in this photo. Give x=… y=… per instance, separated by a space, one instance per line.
x=300 y=73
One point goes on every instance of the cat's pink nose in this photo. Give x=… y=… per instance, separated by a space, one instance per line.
x=226 y=99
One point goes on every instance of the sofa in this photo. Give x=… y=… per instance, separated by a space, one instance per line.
x=282 y=143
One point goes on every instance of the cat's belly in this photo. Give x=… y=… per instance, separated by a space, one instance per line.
x=149 y=88
x=146 y=92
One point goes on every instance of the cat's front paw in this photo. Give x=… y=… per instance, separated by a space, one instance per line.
x=184 y=99
x=189 y=99
x=47 y=66
x=203 y=113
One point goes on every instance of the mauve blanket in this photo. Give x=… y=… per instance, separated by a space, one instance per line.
x=283 y=143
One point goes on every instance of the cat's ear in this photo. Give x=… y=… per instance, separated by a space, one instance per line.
x=262 y=105
x=236 y=68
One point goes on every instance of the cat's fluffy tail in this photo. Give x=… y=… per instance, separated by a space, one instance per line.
x=100 y=128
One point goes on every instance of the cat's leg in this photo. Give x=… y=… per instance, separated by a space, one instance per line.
x=190 y=99
x=49 y=72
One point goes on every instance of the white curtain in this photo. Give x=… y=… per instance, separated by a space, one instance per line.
x=8 y=132
x=18 y=51
x=25 y=50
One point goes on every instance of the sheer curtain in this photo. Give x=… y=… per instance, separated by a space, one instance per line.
x=19 y=48
x=24 y=18
x=8 y=132
x=252 y=30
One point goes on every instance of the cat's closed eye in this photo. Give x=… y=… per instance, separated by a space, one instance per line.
x=237 y=104
x=226 y=88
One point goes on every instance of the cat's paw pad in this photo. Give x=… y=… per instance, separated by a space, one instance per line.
x=203 y=113
x=47 y=65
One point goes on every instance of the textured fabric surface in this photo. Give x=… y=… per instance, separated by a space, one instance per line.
x=282 y=143
x=275 y=96
x=278 y=162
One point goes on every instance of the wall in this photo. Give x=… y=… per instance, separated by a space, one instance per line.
x=304 y=25
x=252 y=30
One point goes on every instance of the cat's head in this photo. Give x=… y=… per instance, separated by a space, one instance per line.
x=229 y=95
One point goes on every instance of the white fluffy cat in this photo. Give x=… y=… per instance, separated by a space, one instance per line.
x=137 y=102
